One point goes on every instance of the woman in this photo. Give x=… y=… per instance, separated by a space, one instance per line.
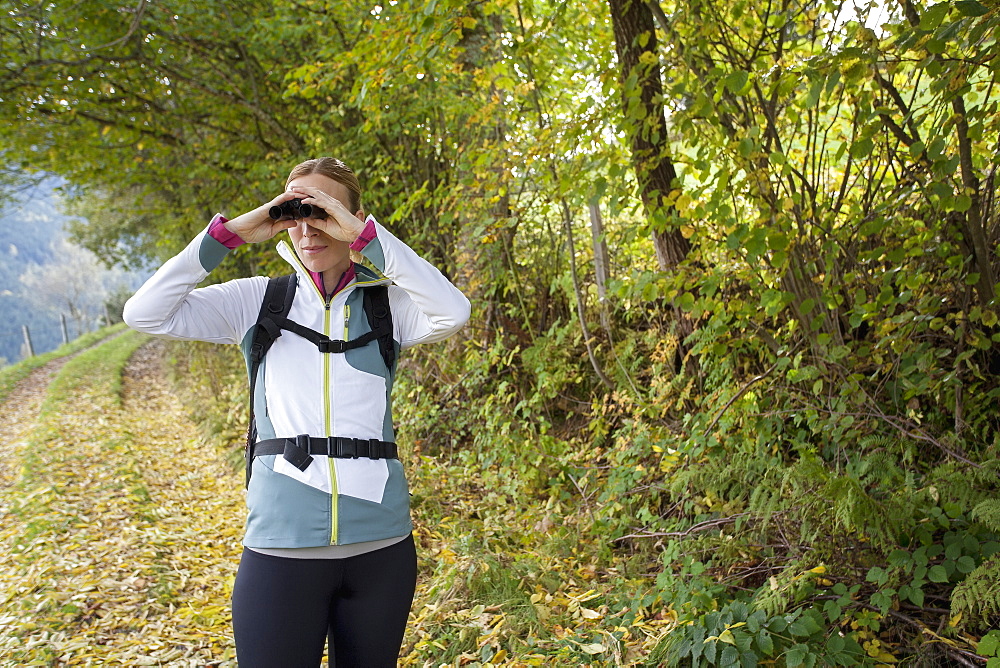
x=328 y=549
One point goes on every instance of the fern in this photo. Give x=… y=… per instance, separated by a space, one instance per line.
x=780 y=592
x=988 y=513
x=977 y=598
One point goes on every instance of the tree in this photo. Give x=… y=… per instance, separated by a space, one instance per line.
x=74 y=284
x=645 y=124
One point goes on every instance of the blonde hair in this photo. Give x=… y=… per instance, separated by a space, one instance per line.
x=333 y=169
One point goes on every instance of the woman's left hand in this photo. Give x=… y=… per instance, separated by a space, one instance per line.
x=340 y=223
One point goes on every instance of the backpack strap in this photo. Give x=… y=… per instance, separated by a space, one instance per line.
x=278 y=297
x=376 y=307
x=273 y=318
x=376 y=304
x=274 y=310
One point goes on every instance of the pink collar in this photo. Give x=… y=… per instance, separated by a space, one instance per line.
x=345 y=278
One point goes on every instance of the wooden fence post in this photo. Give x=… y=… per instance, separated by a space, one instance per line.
x=27 y=342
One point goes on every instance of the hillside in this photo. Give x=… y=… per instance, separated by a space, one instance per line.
x=26 y=232
x=33 y=240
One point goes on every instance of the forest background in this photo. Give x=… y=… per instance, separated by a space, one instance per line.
x=733 y=357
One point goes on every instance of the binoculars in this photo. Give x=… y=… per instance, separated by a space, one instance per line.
x=294 y=209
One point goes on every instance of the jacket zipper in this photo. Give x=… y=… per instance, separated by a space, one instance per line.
x=328 y=419
x=327 y=422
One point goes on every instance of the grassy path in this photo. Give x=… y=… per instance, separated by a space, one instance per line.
x=120 y=531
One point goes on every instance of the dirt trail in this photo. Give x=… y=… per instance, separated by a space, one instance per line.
x=18 y=413
x=122 y=547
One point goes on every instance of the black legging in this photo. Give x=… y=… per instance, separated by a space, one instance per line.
x=284 y=609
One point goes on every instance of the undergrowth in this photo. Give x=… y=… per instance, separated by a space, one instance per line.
x=708 y=523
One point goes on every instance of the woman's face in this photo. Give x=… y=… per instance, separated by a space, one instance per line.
x=319 y=251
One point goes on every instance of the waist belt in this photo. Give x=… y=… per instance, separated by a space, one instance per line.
x=298 y=450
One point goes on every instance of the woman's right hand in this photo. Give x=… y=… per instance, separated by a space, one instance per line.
x=255 y=226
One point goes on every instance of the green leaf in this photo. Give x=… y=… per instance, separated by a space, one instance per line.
x=961 y=203
x=799 y=628
x=765 y=642
x=937 y=574
x=862 y=148
x=971 y=8
x=966 y=564
x=796 y=656
x=812 y=99
x=737 y=81
x=777 y=240
x=990 y=644
x=900 y=558
x=935 y=46
x=934 y=15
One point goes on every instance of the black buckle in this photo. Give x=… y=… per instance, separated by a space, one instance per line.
x=297 y=452
x=320 y=445
x=350 y=448
x=373 y=448
x=330 y=346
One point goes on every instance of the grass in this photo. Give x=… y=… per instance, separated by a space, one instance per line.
x=11 y=375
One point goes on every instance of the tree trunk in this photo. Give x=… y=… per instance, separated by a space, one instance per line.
x=635 y=35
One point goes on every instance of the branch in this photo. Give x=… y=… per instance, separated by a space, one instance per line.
x=973 y=217
x=893 y=93
x=581 y=312
x=742 y=390
x=700 y=526
x=136 y=19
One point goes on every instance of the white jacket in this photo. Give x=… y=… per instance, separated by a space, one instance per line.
x=302 y=391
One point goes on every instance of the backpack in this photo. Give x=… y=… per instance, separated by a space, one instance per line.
x=273 y=318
